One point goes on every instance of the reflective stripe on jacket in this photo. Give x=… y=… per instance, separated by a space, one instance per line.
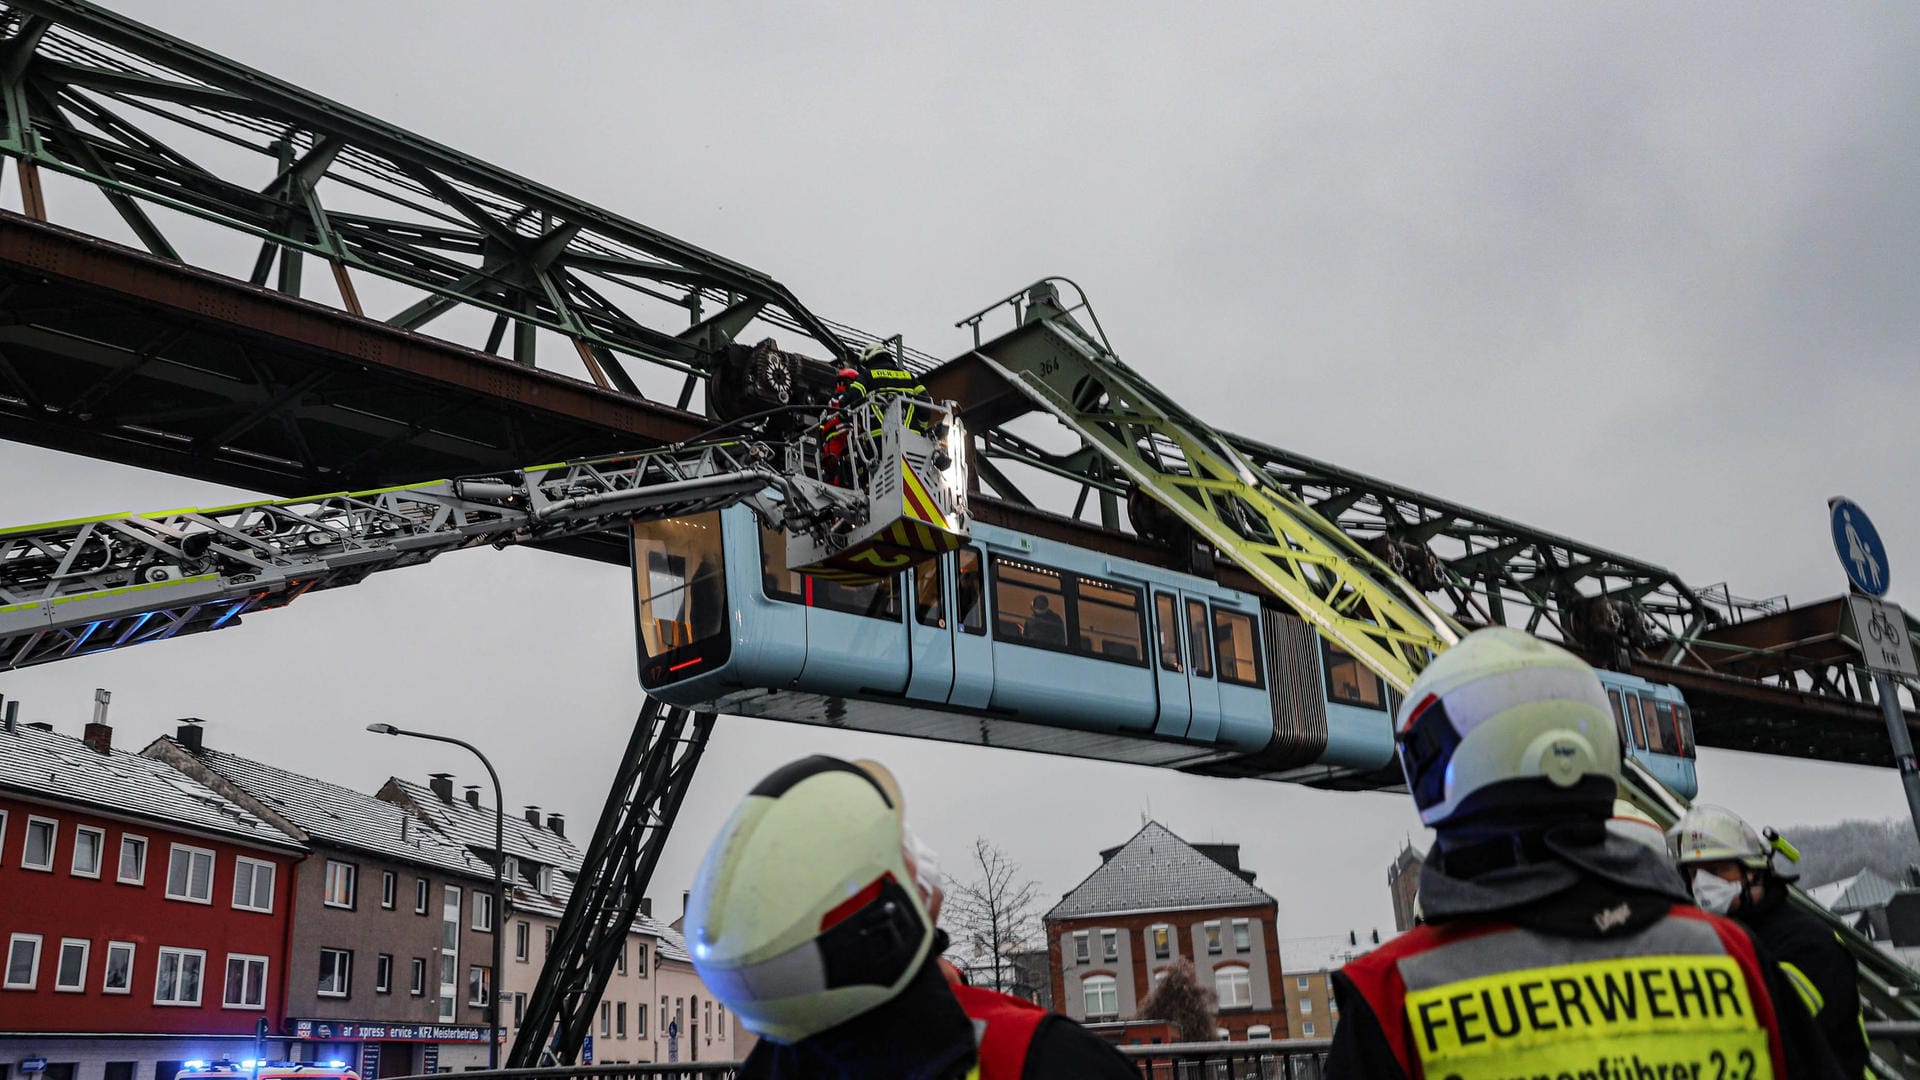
x=1478 y=1000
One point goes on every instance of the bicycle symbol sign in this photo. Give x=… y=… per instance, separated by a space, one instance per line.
x=1881 y=629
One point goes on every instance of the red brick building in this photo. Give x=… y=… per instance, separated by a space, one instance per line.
x=146 y=918
x=1154 y=900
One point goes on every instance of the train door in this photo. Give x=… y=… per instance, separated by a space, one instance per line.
x=1170 y=668
x=1620 y=719
x=972 y=649
x=930 y=633
x=1202 y=691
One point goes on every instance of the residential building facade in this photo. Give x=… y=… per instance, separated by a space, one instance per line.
x=1153 y=901
x=145 y=917
x=390 y=954
x=1312 y=1011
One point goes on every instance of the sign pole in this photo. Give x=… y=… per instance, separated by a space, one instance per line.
x=1880 y=630
x=1902 y=744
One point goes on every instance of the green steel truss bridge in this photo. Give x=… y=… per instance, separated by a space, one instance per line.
x=219 y=275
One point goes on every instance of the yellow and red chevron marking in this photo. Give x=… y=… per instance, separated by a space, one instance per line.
x=919 y=504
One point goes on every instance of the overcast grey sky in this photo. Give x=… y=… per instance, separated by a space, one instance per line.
x=1640 y=275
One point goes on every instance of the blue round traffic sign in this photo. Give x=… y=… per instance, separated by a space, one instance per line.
x=1858 y=544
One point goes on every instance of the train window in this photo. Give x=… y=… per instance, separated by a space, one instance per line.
x=1030 y=603
x=1348 y=681
x=1683 y=727
x=929 y=599
x=1109 y=621
x=1198 y=647
x=1634 y=721
x=1619 y=718
x=680 y=583
x=1237 y=648
x=970 y=593
x=1166 y=620
x=776 y=580
x=1659 y=724
x=875 y=600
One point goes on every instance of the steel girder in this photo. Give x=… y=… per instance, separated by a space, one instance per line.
x=152 y=121
x=614 y=872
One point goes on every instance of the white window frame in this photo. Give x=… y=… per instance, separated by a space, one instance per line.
x=479 y=985
x=132 y=952
x=1259 y=1033
x=640 y=960
x=1299 y=982
x=619 y=1019
x=3 y=837
x=1082 y=947
x=1306 y=1006
x=522 y=940
x=352 y=877
x=383 y=973
x=1107 y=984
x=99 y=851
x=620 y=960
x=1110 y=945
x=1306 y=1029
x=213 y=864
x=543 y=879
x=245 y=960
x=343 y=970
x=1242 y=935
x=1210 y=936
x=120 y=862
x=60 y=962
x=1157 y=934
x=639 y=1019
x=1246 y=981
x=606 y=1018
x=257 y=865
x=53 y=843
x=180 y=955
x=417 y=976
x=422 y=893
x=482 y=906
x=33 y=976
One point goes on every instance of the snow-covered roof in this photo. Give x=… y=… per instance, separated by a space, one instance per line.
x=1157 y=871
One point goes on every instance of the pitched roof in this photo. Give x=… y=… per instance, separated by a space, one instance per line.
x=1299 y=956
x=61 y=767
x=340 y=815
x=1865 y=889
x=472 y=826
x=1157 y=871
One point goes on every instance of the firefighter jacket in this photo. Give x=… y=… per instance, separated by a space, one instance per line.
x=876 y=383
x=1819 y=967
x=1608 y=977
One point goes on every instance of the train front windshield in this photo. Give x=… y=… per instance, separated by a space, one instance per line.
x=680 y=597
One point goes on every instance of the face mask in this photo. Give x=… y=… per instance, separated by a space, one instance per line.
x=1713 y=893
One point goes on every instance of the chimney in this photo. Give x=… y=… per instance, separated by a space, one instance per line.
x=100 y=699
x=188 y=734
x=442 y=785
x=473 y=796
x=533 y=816
x=13 y=715
x=646 y=907
x=558 y=823
x=100 y=737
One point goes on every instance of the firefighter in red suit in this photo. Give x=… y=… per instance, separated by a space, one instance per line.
x=1551 y=947
x=812 y=918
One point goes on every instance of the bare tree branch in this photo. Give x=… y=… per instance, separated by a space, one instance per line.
x=993 y=916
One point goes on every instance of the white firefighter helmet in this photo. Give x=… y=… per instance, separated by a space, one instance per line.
x=1629 y=822
x=1715 y=834
x=805 y=913
x=1499 y=707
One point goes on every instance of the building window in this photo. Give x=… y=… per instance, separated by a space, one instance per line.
x=1160 y=939
x=1110 y=944
x=482 y=910
x=341 y=877
x=1300 y=982
x=3 y=835
x=1259 y=1033
x=88 y=843
x=383 y=974
x=1306 y=1029
x=1232 y=986
x=640 y=960
x=449 y=952
x=23 y=962
x=519 y=1009
x=1242 y=936
x=547 y=947
x=118 y=975
x=1100 y=997
x=706 y=1019
x=639 y=1020
x=620 y=1020
x=252 y=884
x=133 y=859
x=336 y=972
x=418 y=984
x=606 y=1018
x=1081 y=952
x=521 y=935
x=246 y=982
x=620 y=959
x=1306 y=1006
x=42 y=838
x=189 y=874
x=479 y=984
x=70 y=974
x=543 y=879
x=421 y=891
x=1212 y=928
x=389 y=886
x=177 y=981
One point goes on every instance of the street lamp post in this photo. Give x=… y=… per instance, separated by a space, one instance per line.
x=499 y=883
